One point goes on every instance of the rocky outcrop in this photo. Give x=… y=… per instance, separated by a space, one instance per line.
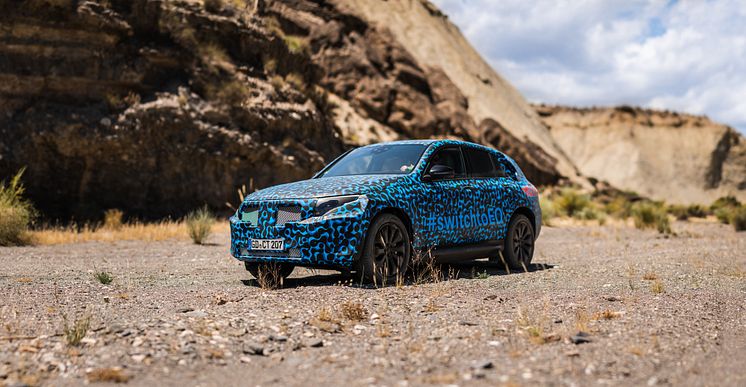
x=157 y=106
x=665 y=155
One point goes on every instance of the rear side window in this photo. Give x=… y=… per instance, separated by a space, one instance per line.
x=504 y=167
x=450 y=157
x=479 y=163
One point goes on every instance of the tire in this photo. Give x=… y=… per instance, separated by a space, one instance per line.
x=256 y=268
x=519 y=243
x=386 y=252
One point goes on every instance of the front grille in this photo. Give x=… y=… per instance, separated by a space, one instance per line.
x=287 y=215
x=290 y=253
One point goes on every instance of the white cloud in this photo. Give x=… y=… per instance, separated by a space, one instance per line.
x=682 y=55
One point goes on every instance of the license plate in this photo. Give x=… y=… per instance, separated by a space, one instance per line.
x=268 y=244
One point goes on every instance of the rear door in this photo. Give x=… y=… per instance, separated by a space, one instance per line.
x=488 y=193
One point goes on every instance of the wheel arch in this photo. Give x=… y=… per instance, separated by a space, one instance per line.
x=401 y=214
x=529 y=214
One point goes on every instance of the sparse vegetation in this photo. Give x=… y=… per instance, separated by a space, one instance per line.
x=232 y=93
x=738 y=219
x=16 y=212
x=682 y=212
x=571 y=202
x=269 y=277
x=199 y=225
x=107 y=375
x=649 y=276
x=548 y=210
x=657 y=287
x=606 y=315
x=354 y=311
x=158 y=231
x=74 y=334
x=103 y=277
x=651 y=215
x=296 y=44
x=113 y=219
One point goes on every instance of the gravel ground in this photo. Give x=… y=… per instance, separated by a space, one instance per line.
x=602 y=305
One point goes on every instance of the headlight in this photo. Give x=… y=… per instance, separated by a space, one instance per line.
x=327 y=204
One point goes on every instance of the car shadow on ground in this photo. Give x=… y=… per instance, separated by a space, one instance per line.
x=479 y=269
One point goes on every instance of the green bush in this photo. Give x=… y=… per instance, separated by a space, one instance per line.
x=738 y=218
x=651 y=215
x=571 y=202
x=548 y=210
x=16 y=213
x=619 y=207
x=199 y=225
x=724 y=208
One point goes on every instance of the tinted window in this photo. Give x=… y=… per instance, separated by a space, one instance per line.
x=504 y=167
x=377 y=160
x=480 y=163
x=449 y=157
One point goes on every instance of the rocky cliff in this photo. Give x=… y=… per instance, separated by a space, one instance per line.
x=157 y=106
x=671 y=156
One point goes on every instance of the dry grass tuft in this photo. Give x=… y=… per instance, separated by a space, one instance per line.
x=199 y=225
x=651 y=215
x=534 y=326
x=657 y=287
x=158 y=231
x=354 y=311
x=113 y=219
x=74 y=334
x=606 y=315
x=107 y=375
x=269 y=276
x=650 y=276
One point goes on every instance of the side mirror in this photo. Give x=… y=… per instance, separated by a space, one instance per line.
x=439 y=171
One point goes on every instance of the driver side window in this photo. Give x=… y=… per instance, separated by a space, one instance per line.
x=450 y=157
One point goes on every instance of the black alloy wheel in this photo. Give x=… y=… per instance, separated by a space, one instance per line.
x=519 y=244
x=387 y=251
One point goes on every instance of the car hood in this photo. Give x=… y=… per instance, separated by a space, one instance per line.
x=323 y=187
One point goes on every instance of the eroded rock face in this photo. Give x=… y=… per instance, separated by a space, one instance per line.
x=665 y=155
x=157 y=107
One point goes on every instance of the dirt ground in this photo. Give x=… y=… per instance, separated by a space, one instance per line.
x=652 y=311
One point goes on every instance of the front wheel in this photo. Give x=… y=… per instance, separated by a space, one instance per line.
x=519 y=244
x=386 y=253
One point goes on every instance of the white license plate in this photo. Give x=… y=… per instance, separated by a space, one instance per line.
x=268 y=244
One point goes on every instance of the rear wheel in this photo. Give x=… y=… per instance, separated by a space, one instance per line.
x=519 y=244
x=386 y=252
x=269 y=270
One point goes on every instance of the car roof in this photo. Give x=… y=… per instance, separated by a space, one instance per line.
x=436 y=142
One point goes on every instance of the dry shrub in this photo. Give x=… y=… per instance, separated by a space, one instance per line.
x=651 y=215
x=158 y=231
x=657 y=287
x=650 y=276
x=425 y=269
x=107 y=375
x=269 y=277
x=199 y=225
x=74 y=334
x=354 y=311
x=548 y=210
x=571 y=202
x=16 y=213
x=534 y=326
x=606 y=315
x=296 y=44
x=738 y=218
x=113 y=219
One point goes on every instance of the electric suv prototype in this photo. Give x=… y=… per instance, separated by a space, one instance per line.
x=373 y=207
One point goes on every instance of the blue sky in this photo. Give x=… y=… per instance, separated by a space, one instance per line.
x=688 y=56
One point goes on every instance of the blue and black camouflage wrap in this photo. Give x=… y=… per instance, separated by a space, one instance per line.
x=437 y=213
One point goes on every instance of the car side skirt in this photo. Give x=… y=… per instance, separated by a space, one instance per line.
x=467 y=252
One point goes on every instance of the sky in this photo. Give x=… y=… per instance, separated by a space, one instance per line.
x=688 y=56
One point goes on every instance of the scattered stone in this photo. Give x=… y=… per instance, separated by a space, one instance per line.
x=244 y=359
x=580 y=338
x=139 y=358
x=483 y=365
x=252 y=348
x=196 y=313
x=558 y=321
x=184 y=310
x=314 y=343
x=611 y=298
x=278 y=338
x=468 y=323
x=358 y=329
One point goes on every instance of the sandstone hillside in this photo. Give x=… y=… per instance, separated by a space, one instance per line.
x=671 y=156
x=158 y=106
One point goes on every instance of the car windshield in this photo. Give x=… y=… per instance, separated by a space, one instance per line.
x=377 y=160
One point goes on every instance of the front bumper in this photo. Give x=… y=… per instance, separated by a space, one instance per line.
x=331 y=241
